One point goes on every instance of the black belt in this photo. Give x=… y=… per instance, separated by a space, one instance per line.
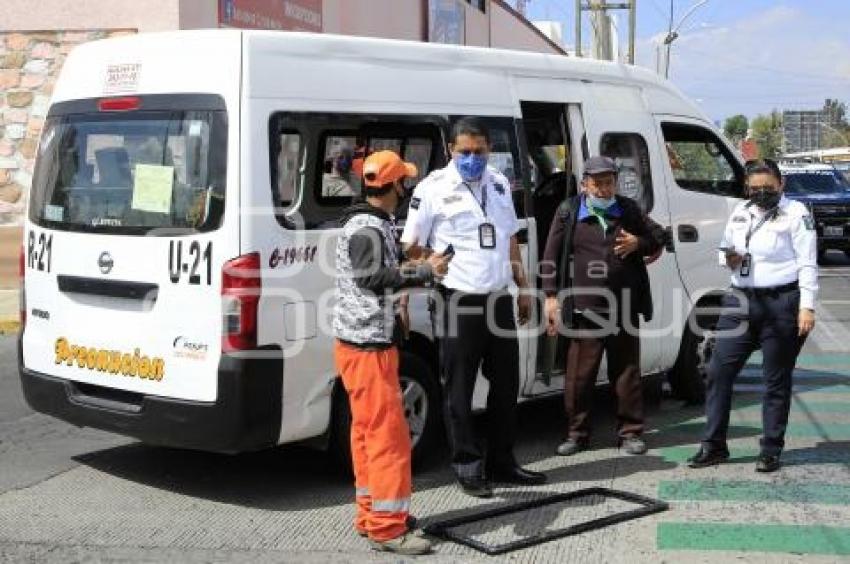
x=769 y=291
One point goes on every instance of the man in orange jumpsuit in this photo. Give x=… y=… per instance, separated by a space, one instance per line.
x=368 y=274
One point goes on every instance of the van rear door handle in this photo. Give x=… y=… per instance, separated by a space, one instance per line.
x=110 y=288
x=688 y=234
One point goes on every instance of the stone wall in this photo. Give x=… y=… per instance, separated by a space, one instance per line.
x=29 y=65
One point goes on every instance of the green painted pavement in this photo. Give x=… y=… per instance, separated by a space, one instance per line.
x=825 y=453
x=798 y=539
x=731 y=490
x=800 y=407
x=680 y=454
x=822 y=358
x=826 y=431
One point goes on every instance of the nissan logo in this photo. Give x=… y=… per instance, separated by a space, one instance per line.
x=104 y=261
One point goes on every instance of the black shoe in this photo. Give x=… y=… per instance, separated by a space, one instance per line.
x=571 y=447
x=708 y=457
x=767 y=463
x=516 y=475
x=476 y=487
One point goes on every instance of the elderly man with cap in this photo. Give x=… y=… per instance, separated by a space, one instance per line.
x=368 y=274
x=596 y=284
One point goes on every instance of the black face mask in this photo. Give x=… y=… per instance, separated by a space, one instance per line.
x=765 y=199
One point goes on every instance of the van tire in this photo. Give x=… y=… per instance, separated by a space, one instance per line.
x=688 y=376
x=422 y=399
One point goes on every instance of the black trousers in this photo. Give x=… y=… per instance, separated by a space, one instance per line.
x=469 y=342
x=770 y=321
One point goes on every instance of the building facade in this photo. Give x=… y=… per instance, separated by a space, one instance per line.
x=802 y=130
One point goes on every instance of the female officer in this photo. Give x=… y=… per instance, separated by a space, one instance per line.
x=770 y=246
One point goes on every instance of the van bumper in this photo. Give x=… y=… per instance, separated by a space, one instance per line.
x=246 y=415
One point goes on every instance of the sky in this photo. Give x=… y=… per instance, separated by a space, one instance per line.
x=740 y=56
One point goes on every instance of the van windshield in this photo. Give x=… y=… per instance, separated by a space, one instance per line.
x=143 y=173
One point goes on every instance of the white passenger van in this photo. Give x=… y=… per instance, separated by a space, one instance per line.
x=178 y=252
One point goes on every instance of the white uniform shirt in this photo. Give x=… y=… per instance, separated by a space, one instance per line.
x=445 y=210
x=783 y=249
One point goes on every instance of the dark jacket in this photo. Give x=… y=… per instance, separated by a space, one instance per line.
x=556 y=271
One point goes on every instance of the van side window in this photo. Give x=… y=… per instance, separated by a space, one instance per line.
x=288 y=166
x=701 y=162
x=630 y=152
x=317 y=159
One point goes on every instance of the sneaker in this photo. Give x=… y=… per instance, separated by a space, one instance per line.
x=708 y=457
x=767 y=463
x=571 y=447
x=633 y=445
x=408 y=544
x=411 y=522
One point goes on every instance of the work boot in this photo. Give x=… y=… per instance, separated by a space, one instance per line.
x=633 y=445
x=408 y=544
x=767 y=463
x=571 y=447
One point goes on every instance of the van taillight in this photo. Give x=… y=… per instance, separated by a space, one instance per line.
x=22 y=296
x=124 y=104
x=240 y=298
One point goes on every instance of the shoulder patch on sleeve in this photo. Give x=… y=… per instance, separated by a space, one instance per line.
x=809 y=222
x=414 y=203
x=739 y=219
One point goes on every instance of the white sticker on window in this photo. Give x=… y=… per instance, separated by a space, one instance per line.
x=195 y=128
x=152 y=188
x=54 y=213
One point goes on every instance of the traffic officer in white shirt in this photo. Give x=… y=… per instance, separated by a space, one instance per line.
x=466 y=208
x=770 y=245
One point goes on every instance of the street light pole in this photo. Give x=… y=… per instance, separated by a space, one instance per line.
x=673 y=33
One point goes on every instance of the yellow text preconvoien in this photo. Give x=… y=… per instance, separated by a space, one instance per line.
x=113 y=362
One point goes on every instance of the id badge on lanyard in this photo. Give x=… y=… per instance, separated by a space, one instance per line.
x=486 y=230
x=747 y=261
x=487 y=235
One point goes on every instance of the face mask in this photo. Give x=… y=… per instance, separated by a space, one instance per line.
x=765 y=199
x=470 y=166
x=600 y=203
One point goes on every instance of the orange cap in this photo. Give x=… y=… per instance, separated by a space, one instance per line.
x=383 y=167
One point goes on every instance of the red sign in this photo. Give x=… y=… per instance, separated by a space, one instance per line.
x=749 y=149
x=292 y=15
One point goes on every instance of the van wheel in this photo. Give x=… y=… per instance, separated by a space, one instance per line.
x=688 y=376
x=421 y=403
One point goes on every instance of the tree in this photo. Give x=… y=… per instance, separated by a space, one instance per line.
x=735 y=128
x=767 y=132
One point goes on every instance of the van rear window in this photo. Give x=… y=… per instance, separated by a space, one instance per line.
x=142 y=172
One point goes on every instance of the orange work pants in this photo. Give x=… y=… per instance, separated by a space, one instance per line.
x=380 y=439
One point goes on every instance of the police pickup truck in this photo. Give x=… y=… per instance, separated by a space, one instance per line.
x=827 y=194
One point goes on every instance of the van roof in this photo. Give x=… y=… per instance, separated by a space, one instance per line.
x=661 y=95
